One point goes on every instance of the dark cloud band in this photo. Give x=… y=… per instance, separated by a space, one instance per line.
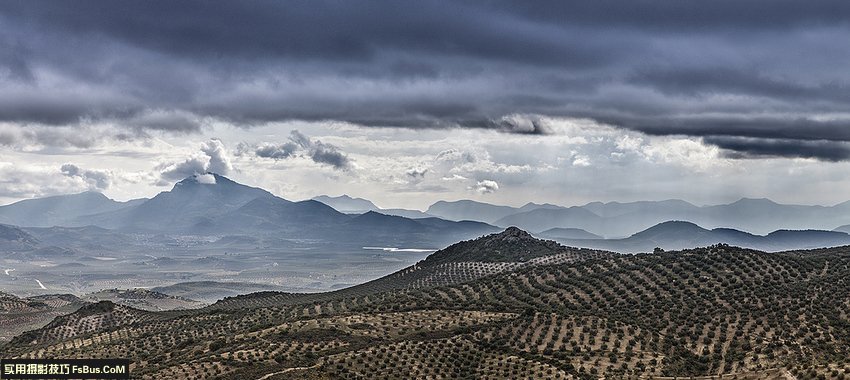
x=748 y=70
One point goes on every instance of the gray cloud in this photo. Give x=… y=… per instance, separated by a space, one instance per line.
x=328 y=154
x=719 y=68
x=301 y=144
x=416 y=172
x=276 y=151
x=171 y=172
x=96 y=179
x=744 y=147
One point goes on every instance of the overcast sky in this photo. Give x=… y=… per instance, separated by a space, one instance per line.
x=406 y=103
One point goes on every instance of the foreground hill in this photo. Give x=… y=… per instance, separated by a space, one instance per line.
x=22 y=314
x=461 y=262
x=552 y=312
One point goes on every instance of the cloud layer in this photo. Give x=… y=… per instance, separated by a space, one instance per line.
x=752 y=78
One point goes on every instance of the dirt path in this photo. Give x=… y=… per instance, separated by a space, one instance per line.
x=268 y=375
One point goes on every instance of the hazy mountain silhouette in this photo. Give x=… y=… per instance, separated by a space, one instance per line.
x=193 y=201
x=674 y=235
x=569 y=233
x=616 y=219
x=215 y=205
x=60 y=209
x=270 y=213
x=346 y=204
x=394 y=229
x=547 y=218
x=211 y=204
x=473 y=210
x=845 y=228
x=612 y=209
x=349 y=205
x=15 y=239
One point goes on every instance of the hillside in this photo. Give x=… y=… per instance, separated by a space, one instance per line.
x=15 y=239
x=144 y=299
x=461 y=262
x=22 y=314
x=704 y=312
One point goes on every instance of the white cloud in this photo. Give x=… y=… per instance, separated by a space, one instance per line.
x=219 y=160
x=486 y=186
x=581 y=160
x=213 y=157
x=205 y=179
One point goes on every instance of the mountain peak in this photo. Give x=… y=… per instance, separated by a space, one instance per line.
x=513 y=232
x=346 y=203
x=207 y=178
x=670 y=228
x=755 y=201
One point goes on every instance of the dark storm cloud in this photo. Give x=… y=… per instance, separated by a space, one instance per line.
x=743 y=147
x=742 y=69
x=276 y=151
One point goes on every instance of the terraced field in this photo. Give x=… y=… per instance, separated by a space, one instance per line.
x=533 y=310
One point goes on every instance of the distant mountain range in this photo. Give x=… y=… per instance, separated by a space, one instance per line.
x=349 y=205
x=484 y=212
x=676 y=235
x=615 y=219
x=210 y=204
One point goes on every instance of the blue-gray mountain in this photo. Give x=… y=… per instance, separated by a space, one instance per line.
x=676 y=235
x=614 y=219
x=211 y=204
x=349 y=205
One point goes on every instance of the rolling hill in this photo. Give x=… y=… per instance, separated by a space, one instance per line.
x=699 y=313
